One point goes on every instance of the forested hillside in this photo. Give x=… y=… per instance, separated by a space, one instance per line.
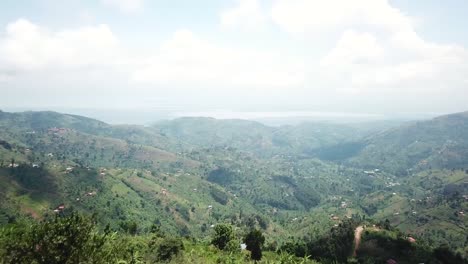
x=438 y=143
x=302 y=187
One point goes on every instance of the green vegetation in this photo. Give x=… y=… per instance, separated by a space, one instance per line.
x=254 y=241
x=195 y=189
x=223 y=235
x=75 y=238
x=72 y=239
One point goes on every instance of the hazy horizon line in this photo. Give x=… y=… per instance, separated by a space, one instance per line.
x=140 y=116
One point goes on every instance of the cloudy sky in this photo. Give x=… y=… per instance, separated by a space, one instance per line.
x=347 y=56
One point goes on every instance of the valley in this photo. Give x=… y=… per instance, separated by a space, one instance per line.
x=294 y=183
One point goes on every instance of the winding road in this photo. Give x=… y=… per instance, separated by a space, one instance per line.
x=357 y=238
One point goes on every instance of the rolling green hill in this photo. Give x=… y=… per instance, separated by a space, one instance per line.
x=190 y=174
x=438 y=143
x=305 y=139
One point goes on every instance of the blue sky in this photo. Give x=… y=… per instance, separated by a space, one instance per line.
x=361 y=56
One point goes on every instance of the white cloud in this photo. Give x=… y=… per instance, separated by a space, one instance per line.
x=127 y=6
x=26 y=46
x=366 y=47
x=186 y=59
x=299 y=16
x=401 y=60
x=306 y=16
x=354 y=48
x=247 y=15
x=385 y=75
x=379 y=48
x=183 y=60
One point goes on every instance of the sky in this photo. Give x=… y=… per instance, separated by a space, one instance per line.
x=336 y=56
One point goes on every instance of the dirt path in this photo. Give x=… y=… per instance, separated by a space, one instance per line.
x=357 y=238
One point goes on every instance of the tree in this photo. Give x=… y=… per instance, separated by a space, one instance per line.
x=130 y=227
x=223 y=234
x=254 y=241
x=445 y=255
x=219 y=196
x=386 y=224
x=71 y=239
x=168 y=248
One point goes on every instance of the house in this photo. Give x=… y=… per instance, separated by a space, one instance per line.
x=13 y=165
x=411 y=240
x=102 y=174
x=68 y=169
x=34 y=165
x=164 y=191
x=50 y=155
x=59 y=208
x=210 y=207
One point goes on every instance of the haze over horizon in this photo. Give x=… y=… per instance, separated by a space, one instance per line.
x=363 y=57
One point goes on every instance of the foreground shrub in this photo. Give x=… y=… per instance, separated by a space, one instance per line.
x=223 y=234
x=168 y=248
x=72 y=239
